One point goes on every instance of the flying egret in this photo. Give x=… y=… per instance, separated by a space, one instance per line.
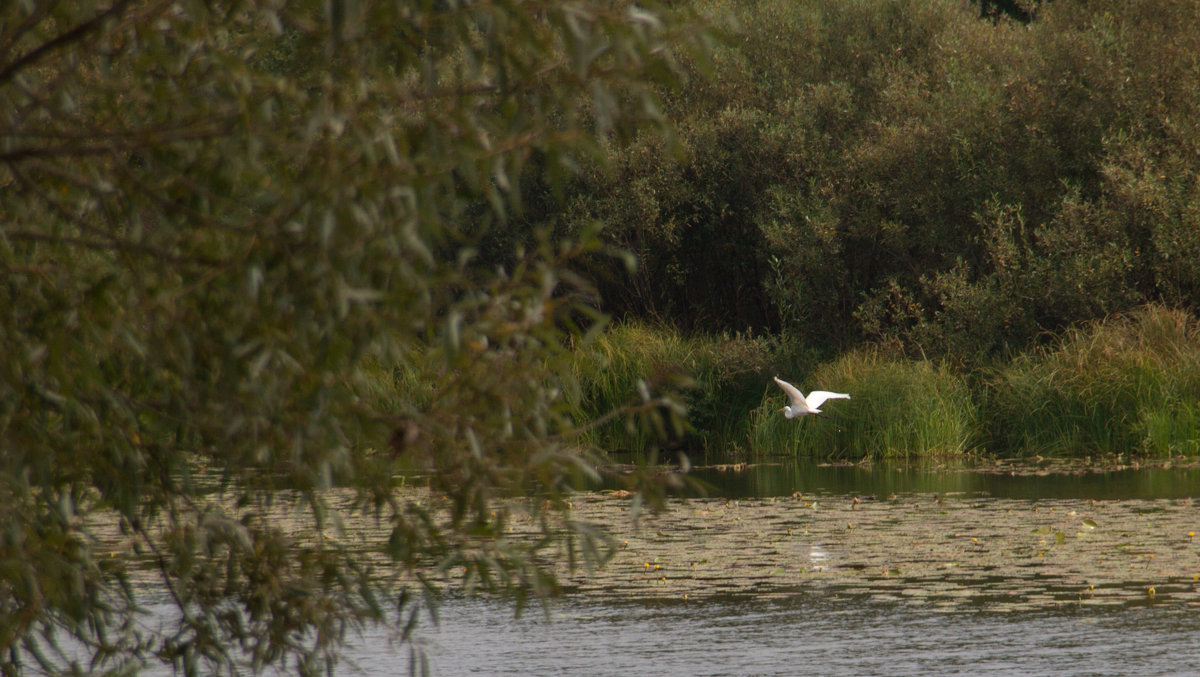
x=803 y=406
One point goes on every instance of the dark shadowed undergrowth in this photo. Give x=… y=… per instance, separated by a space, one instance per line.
x=717 y=378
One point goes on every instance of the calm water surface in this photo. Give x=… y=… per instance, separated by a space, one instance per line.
x=785 y=476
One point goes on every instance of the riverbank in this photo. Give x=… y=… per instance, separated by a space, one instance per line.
x=1129 y=385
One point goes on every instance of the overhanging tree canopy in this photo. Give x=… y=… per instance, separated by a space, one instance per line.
x=238 y=245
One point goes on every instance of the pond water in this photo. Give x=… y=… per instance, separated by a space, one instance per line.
x=797 y=635
x=848 y=628
x=782 y=570
x=998 y=479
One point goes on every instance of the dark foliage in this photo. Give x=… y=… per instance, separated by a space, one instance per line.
x=908 y=173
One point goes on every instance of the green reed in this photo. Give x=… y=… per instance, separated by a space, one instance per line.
x=898 y=409
x=715 y=378
x=1129 y=385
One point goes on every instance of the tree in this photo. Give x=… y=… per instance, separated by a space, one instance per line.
x=239 y=245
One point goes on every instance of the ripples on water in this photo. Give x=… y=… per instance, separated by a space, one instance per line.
x=840 y=636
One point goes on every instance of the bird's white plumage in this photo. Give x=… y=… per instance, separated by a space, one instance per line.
x=795 y=395
x=818 y=397
x=803 y=406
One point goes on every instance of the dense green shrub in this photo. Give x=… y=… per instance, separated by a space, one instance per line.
x=908 y=173
x=1127 y=385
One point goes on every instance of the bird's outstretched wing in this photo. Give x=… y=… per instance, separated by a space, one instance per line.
x=818 y=397
x=794 y=395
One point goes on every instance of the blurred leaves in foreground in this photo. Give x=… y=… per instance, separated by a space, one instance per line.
x=223 y=223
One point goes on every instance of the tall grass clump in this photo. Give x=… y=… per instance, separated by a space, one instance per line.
x=716 y=379
x=899 y=408
x=1129 y=384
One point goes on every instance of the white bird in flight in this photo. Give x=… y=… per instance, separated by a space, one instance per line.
x=803 y=406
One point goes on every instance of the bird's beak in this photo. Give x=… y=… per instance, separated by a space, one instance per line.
x=783 y=409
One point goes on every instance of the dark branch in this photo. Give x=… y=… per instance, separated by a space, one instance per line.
x=73 y=35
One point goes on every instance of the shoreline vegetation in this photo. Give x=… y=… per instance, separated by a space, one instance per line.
x=1129 y=384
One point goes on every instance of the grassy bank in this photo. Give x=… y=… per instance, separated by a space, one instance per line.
x=1128 y=385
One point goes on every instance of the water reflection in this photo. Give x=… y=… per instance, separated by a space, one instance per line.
x=800 y=635
x=786 y=476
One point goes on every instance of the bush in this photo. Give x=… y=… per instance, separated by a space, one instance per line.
x=1127 y=385
x=907 y=173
